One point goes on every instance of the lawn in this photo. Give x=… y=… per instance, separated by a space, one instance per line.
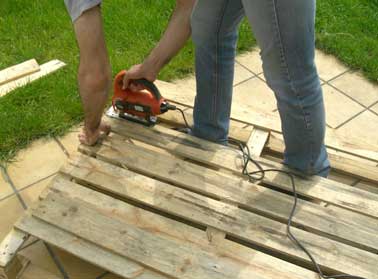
x=42 y=29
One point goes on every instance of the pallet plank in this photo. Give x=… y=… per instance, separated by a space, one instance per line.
x=227 y=158
x=169 y=255
x=160 y=225
x=340 y=161
x=363 y=169
x=86 y=250
x=268 y=121
x=18 y=71
x=337 y=223
x=244 y=225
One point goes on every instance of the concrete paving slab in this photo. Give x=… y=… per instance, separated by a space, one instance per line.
x=328 y=66
x=254 y=93
x=5 y=187
x=11 y=210
x=251 y=60
x=339 y=108
x=364 y=126
x=42 y=159
x=356 y=86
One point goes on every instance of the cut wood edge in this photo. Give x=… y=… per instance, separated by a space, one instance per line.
x=257 y=141
x=10 y=246
x=45 y=69
x=18 y=71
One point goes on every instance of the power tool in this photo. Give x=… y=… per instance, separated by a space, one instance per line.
x=139 y=106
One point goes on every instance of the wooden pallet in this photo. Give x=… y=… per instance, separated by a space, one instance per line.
x=156 y=203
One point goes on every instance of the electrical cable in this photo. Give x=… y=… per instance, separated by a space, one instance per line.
x=252 y=177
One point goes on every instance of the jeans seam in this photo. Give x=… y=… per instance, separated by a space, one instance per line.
x=216 y=95
x=300 y=101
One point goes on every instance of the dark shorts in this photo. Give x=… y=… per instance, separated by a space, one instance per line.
x=77 y=7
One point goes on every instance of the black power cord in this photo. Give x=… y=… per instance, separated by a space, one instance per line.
x=259 y=175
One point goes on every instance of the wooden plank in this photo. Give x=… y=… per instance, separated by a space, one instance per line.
x=246 y=226
x=260 y=119
x=257 y=141
x=337 y=223
x=45 y=69
x=227 y=158
x=86 y=250
x=18 y=71
x=238 y=130
x=10 y=245
x=366 y=186
x=179 y=259
x=362 y=169
x=340 y=161
x=262 y=265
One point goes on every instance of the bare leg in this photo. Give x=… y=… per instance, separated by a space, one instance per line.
x=94 y=74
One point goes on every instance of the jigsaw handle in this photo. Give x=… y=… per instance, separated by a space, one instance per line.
x=148 y=85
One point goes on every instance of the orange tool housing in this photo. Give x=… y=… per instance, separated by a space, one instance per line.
x=143 y=104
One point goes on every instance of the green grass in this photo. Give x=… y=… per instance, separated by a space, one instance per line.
x=42 y=29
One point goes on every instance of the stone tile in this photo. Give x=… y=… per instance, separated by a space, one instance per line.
x=31 y=193
x=252 y=61
x=78 y=268
x=75 y=267
x=42 y=159
x=254 y=93
x=39 y=256
x=34 y=272
x=5 y=187
x=112 y=276
x=339 y=108
x=328 y=66
x=375 y=108
x=364 y=127
x=11 y=209
x=356 y=86
x=241 y=74
x=70 y=141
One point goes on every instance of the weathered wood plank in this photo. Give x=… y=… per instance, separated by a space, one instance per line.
x=227 y=158
x=238 y=223
x=159 y=225
x=10 y=245
x=238 y=130
x=18 y=71
x=86 y=250
x=257 y=141
x=268 y=121
x=337 y=223
x=169 y=255
x=363 y=169
x=339 y=160
x=45 y=69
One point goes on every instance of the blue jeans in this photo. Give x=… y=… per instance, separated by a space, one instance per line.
x=284 y=30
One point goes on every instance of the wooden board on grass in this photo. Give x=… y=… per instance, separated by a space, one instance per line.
x=17 y=71
x=45 y=69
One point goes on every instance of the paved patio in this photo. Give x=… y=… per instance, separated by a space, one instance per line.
x=351 y=105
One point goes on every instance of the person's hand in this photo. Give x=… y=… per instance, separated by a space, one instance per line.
x=91 y=137
x=138 y=72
